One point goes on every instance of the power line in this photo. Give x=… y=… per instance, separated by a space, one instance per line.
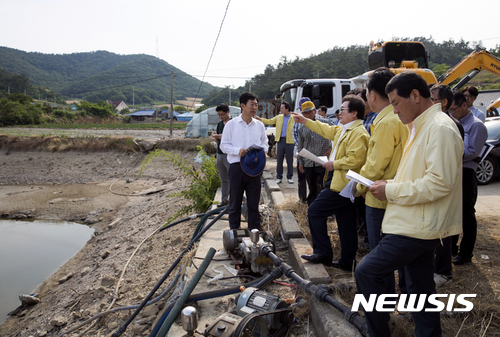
x=150 y=79
x=213 y=49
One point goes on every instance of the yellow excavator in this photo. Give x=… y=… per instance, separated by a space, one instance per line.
x=474 y=62
x=401 y=56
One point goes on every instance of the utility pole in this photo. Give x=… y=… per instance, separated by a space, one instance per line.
x=229 y=87
x=171 y=103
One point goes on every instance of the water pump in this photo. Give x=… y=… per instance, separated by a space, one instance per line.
x=249 y=244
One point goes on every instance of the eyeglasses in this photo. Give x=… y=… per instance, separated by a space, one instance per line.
x=436 y=99
x=343 y=109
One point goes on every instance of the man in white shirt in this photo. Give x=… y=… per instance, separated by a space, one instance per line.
x=239 y=134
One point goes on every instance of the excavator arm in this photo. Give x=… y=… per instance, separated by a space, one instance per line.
x=475 y=62
x=492 y=109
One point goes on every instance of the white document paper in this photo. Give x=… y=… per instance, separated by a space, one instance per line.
x=485 y=151
x=349 y=191
x=358 y=178
x=308 y=155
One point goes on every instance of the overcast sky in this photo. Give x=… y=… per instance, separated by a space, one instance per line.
x=255 y=33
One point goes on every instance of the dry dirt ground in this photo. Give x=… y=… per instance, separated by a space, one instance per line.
x=93 y=188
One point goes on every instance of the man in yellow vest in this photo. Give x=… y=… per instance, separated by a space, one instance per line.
x=284 y=141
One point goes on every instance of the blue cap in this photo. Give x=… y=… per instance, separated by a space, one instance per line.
x=253 y=163
x=302 y=100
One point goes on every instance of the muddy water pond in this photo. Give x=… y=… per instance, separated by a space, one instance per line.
x=30 y=251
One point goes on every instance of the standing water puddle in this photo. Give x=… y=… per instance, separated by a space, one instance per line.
x=31 y=251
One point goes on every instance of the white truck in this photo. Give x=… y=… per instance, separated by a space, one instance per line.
x=321 y=91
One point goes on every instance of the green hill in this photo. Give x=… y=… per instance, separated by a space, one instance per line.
x=103 y=75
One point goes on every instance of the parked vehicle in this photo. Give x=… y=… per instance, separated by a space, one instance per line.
x=489 y=168
x=321 y=91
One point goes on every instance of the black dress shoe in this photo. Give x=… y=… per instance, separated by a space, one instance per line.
x=318 y=258
x=459 y=260
x=224 y=203
x=339 y=265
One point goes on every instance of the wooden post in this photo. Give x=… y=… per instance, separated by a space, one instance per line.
x=172 y=104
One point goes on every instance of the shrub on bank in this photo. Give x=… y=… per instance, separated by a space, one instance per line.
x=204 y=180
x=16 y=113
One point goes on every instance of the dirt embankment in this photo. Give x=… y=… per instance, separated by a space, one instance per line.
x=95 y=188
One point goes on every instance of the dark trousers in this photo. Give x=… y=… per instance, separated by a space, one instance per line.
x=314 y=178
x=469 y=223
x=416 y=258
x=326 y=204
x=359 y=203
x=223 y=169
x=443 y=258
x=374 y=217
x=240 y=182
x=284 y=150
x=302 y=188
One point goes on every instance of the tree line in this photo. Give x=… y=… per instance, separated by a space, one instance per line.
x=341 y=62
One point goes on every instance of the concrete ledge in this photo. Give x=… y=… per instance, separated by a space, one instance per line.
x=267 y=175
x=315 y=272
x=271 y=186
x=328 y=321
x=277 y=198
x=289 y=226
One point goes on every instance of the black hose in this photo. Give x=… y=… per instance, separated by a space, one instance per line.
x=130 y=307
x=124 y=326
x=319 y=291
x=192 y=217
x=190 y=287
x=259 y=283
x=205 y=217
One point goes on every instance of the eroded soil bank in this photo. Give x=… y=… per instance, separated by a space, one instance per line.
x=92 y=188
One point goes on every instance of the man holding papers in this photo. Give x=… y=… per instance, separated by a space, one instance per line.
x=350 y=143
x=424 y=204
x=388 y=137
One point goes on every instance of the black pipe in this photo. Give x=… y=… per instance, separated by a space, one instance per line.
x=124 y=326
x=259 y=283
x=192 y=217
x=318 y=291
x=205 y=217
x=165 y=327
